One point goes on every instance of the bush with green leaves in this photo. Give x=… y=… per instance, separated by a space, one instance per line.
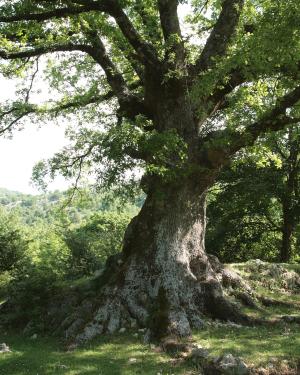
x=30 y=292
x=94 y=241
x=38 y=276
x=48 y=249
x=13 y=241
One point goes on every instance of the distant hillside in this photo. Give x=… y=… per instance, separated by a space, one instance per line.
x=43 y=207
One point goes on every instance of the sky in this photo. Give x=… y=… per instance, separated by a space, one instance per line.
x=28 y=146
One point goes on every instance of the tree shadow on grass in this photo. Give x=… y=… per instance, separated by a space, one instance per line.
x=104 y=356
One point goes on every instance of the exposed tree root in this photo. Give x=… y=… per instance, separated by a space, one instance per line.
x=130 y=295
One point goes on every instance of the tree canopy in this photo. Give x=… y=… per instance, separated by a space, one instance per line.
x=112 y=63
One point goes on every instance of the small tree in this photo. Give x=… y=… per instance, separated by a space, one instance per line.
x=176 y=98
x=13 y=241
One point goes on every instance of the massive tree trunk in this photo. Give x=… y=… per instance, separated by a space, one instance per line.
x=163 y=279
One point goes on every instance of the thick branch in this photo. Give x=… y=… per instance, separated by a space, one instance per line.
x=171 y=27
x=130 y=104
x=276 y=119
x=19 y=116
x=218 y=98
x=55 y=13
x=41 y=50
x=221 y=35
x=78 y=102
x=13 y=115
x=145 y=51
x=16 y=113
x=237 y=77
x=114 y=77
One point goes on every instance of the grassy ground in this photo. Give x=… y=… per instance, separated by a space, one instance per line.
x=125 y=354
x=122 y=354
x=256 y=345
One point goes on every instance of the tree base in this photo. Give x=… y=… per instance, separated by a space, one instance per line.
x=130 y=296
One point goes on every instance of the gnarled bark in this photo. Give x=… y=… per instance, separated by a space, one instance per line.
x=163 y=279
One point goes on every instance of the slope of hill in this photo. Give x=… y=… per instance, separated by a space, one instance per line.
x=33 y=208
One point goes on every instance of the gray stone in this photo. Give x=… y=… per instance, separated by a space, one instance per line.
x=179 y=323
x=196 y=322
x=147 y=337
x=28 y=329
x=98 y=273
x=171 y=344
x=234 y=325
x=291 y=318
x=4 y=348
x=199 y=354
x=231 y=365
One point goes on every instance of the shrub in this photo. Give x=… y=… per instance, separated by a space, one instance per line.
x=13 y=242
x=92 y=242
x=30 y=292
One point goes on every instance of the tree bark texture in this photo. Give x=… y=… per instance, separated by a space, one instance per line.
x=163 y=279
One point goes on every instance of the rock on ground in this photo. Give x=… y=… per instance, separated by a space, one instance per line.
x=4 y=348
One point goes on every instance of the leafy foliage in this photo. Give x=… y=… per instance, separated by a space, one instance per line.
x=13 y=241
x=254 y=201
x=91 y=243
x=44 y=245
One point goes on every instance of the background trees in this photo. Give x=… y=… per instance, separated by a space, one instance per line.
x=254 y=209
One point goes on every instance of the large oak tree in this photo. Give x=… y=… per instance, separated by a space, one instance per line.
x=182 y=96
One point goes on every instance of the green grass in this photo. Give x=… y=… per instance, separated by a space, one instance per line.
x=255 y=345
x=105 y=356
x=292 y=267
x=110 y=355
